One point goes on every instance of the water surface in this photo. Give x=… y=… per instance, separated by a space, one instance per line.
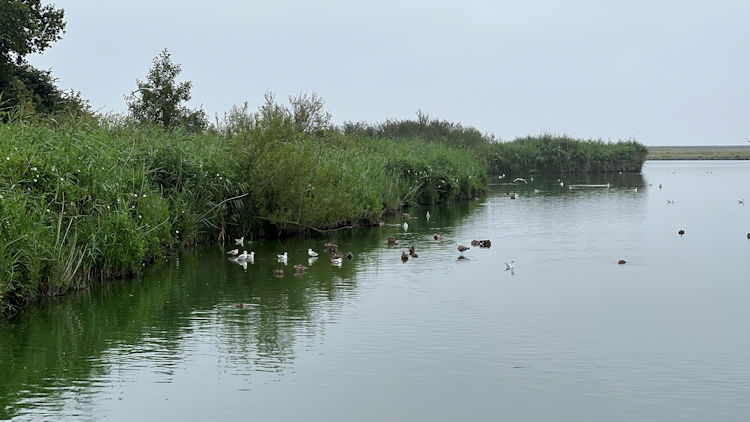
x=567 y=335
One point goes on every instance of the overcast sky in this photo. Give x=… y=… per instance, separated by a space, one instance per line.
x=662 y=72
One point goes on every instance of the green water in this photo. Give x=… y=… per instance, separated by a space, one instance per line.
x=567 y=335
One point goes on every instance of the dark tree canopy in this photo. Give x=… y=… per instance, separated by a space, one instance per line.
x=159 y=99
x=28 y=27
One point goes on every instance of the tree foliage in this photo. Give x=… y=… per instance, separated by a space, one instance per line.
x=28 y=27
x=159 y=99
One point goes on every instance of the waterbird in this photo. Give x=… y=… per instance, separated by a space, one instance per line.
x=520 y=179
x=299 y=268
x=239 y=305
x=233 y=252
x=411 y=251
x=748 y=235
x=509 y=266
x=405 y=225
x=681 y=232
x=438 y=236
x=349 y=255
x=462 y=248
x=741 y=201
x=336 y=261
x=428 y=216
x=244 y=256
x=513 y=195
x=311 y=252
x=635 y=189
x=404 y=256
x=659 y=186
x=392 y=241
x=670 y=202
x=283 y=258
x=536 y=191
x=622 y=261
x=240 y=241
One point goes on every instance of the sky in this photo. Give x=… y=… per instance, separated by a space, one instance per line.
x=659 y=72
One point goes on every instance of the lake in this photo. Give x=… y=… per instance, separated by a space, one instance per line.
x=567 y=335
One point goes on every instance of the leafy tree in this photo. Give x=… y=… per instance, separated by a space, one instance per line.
x=28 y=27
x=159 y=99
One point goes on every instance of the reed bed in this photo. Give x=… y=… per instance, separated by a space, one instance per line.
x=87 y=200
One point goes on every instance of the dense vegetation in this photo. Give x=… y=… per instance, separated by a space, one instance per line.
x=532 y=154
x=84 y=199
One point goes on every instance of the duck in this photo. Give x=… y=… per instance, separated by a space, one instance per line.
x=233 y=252
x=349 y=255
x=404 y=256
x=240 y=241
x=622 y=261
x=283 y=257
x=428 y=216
x=412 y=253
x=311 y=253
x=681 y=232
x=392 y=241
x=239 y=305
x=438 y=236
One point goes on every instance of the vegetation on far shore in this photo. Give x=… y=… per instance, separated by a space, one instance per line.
x=708 y=152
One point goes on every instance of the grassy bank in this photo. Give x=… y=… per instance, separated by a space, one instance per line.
x=531 y=154
x=728 y=152
x=82 y=201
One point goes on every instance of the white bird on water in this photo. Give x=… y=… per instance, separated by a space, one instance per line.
x=337 y=261
x=283 y=258
x=234 y=252
x=405 y=226
x=244 y=256
x=311 y=252
x=428 y=216
x=509 y=266
x=240 y=241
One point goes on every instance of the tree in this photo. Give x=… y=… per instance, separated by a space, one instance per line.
x=28 y=27
x=159 y=99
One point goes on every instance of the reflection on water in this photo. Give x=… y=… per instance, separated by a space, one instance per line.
x=567 y=334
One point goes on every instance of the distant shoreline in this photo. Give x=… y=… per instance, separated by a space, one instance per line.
x=701 y=152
